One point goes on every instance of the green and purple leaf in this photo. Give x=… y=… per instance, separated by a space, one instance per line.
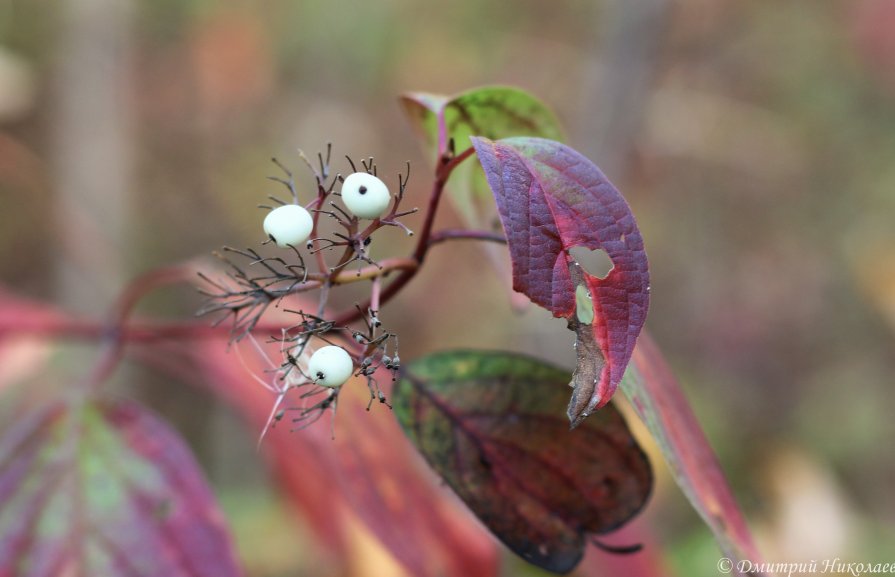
x=551 y=200
x=658 y=399
x=105 y=489
x=490 y=111
x=491 y=424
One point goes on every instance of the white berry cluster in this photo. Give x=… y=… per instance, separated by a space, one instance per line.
x=316 y=375
x=363 y=194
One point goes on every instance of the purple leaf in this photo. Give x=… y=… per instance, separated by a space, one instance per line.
x=102 y=488
x=551 y=200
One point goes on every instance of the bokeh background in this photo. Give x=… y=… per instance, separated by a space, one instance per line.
x=755 y=142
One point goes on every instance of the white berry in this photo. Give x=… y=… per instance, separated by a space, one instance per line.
x=365 y=195
x=330 y=366
x=288 y=225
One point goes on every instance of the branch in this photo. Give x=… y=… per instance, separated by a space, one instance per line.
x=111 y=331
x=445 y=167
x=451 y=234
x=138 y=331
x=116 y=331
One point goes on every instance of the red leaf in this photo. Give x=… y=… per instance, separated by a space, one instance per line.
x=659 y=401
x=551 y=200
x=106 y=489
x=368 y=472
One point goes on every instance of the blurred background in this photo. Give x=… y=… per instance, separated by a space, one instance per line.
x=755 y=142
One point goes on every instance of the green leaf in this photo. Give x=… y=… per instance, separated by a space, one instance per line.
x=106 y=489
x=494 y=112
x=493 y=425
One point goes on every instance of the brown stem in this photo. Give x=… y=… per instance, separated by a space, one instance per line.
x=366 y=273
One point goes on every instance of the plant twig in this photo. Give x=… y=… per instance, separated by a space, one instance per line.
x=443 y=171
x=462 y=234
x=111 y=332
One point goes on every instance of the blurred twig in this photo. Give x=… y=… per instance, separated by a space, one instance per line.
x=619 y=88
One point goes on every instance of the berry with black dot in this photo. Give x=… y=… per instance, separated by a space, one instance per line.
x=365 y=195
x=288 y=225
x=330 y=366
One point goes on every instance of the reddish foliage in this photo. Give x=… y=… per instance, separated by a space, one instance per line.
x=369 y=471
x=659 y=401
x=551 y=199
x=102 y=488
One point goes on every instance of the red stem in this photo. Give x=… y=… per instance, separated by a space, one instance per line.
x=111 y=331
x=318 y=254
x=451 y=234
x=143 y=331
x=134 y=332
x=445 y=167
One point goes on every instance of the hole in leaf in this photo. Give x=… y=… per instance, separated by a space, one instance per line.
x=595 y=262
